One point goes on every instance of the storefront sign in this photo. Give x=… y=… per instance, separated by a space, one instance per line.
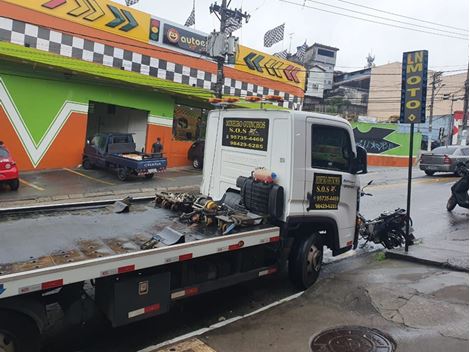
x=184 y=39
x=271 y=67
x=246 y=133
x=413 y=88
x=103 y=15
x=326 y=192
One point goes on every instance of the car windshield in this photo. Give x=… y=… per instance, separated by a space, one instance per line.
x=444 y=150
x=3 y=153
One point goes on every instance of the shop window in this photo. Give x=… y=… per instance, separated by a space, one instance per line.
x=189 y=123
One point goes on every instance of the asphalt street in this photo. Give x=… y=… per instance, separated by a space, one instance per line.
x=433 y=225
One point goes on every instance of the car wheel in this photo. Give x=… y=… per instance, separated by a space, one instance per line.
x=122 y=174
x=18 y=333
x=86 y=164
x=429 y=173
x=305 y=261
x=451 y=203
x=14 y=184
x=197 y=163
x=149 y=176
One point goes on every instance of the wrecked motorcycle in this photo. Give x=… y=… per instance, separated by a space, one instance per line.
x=388 y=229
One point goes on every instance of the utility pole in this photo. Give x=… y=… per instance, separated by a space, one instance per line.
x=436 y=79
x=463 y=131
x=223 y=43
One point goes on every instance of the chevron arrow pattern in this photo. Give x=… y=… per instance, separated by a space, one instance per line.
x=89 y=7
x=272 y=67
x=54 y=3
x=291 y=73
x=120 y=17
x=253 y=61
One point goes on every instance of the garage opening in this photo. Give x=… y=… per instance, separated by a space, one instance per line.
x=106 y=118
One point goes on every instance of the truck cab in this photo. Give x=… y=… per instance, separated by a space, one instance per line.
x=313 y=155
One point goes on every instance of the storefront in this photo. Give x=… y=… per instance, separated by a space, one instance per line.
x=64 y=78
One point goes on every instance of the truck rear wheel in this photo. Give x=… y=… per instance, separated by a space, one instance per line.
x=86 y=164
x=305 y=261
x=15 y=184
x=18 y=333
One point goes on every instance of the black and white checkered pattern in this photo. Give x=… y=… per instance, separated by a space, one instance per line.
x=64 y=44
x=274 y=36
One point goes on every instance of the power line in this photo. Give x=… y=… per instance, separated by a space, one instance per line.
x=384 y=18
x=372 y=21
x=403 y=16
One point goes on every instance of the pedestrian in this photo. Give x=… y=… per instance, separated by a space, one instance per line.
x=157 y=147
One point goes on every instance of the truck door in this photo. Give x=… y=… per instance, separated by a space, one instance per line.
x=331 y=188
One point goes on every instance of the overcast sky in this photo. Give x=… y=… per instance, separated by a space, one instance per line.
x=354 y=38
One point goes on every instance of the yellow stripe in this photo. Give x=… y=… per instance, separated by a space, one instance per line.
x=414 y=182
x=31 y=185
x=89 y=177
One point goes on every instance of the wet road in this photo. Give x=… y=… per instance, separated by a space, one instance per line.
x=432 y=224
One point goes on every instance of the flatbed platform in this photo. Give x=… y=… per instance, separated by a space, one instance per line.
x=31 y=242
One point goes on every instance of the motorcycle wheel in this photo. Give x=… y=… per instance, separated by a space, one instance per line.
x=451 y=203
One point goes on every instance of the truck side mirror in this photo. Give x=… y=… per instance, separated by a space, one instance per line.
x=360 y=162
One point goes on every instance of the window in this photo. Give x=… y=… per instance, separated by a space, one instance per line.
x=444 y=150
x=189 y=123
x=331 y=148
x=327 y=53
x=3 y=153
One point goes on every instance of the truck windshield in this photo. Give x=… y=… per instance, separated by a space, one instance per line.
x=331 y=148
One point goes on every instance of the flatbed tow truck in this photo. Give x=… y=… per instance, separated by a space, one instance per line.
x=89 y=258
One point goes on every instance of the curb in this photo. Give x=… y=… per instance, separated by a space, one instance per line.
x=394 y=254
x=46 y=201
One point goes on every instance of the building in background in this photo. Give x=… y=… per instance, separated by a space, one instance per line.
x=319 y=61
x=69 y=73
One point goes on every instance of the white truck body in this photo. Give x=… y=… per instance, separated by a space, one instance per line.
x=288 y=154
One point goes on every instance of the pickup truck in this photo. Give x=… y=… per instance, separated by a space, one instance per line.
x=117 y=151
x=94 y=260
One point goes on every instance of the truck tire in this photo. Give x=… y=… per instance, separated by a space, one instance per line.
x=197 y=163
x=122 y=174
x=305 y=261
x=86 y=164
x=14 y=184
x=149 y=176
x=429 y=173
x=18 y=333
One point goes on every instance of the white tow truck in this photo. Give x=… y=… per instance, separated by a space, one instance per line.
x=90 y=260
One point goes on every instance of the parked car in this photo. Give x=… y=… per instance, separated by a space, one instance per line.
x=196 y=153
x=8 y=169
x=445 y=159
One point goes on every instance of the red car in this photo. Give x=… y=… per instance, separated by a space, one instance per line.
x=8 y=170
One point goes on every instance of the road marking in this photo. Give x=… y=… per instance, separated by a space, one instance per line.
x=31 y=185
x=89 y=177
x=414 y=182
x=193 y=345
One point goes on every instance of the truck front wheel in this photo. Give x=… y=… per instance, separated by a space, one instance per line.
x=122 y=173
x=18 y=333
x=305 y=260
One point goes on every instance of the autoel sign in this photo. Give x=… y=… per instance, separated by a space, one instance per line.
x=184 y=39
x=413 y=88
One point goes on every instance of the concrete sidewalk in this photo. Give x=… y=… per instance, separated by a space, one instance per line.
x=421 y=308
x=66 y=185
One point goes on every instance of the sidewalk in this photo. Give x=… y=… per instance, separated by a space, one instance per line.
x=421 y=308
x=66 y=185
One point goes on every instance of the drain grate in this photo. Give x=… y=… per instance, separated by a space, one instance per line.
x=352 y=339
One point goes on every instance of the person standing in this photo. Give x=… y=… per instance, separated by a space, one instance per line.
x=157 y=147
